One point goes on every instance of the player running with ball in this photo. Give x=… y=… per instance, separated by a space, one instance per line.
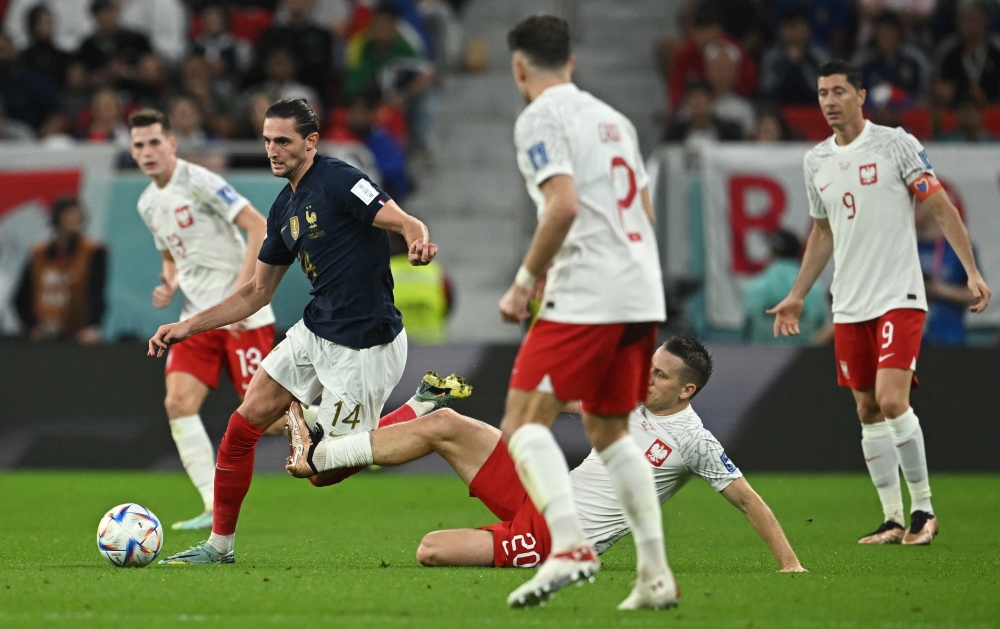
x=861 y=184
x=350 y=345
x=194 y=216
x=597 y=328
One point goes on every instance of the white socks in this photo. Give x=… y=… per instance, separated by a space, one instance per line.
x=197 y=454
x=222 y=543
x=545 y=475
x=349 y=451
x=909 y=440
x=420 y=407
x=883 y=465
x=633 y=484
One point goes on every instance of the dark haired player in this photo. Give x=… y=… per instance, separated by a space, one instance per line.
x=602 y=303
x=862 y=183
x=349 y=346
x=676 y=445
x=195 y=216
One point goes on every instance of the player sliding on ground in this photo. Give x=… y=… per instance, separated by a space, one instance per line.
x=665 y=428
x=194 y=216
x=861 y=183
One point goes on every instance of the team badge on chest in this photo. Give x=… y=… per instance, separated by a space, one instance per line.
x=658 y=453
x=868 y=174
x=184 y=217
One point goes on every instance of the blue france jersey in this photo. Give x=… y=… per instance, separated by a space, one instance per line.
x=327 y=225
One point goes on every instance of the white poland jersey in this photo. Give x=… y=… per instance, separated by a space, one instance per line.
x=863 y=190
x=192 y=218
x=676 y=446
x=608 y=269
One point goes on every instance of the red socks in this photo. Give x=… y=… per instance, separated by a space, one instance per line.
x=233 y=472
x=402 y=414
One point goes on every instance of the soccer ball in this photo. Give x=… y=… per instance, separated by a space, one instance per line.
x=130 y=536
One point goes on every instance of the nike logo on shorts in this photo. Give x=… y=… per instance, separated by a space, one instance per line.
x=867 y=460
x=826 y=186
x=881 y=358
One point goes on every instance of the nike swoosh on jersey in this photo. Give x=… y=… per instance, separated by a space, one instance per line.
x=283 y=229
x=826 y=186
x=881 y=358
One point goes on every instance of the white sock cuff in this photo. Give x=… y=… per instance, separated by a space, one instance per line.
x=420 y=407
x=875 y=431
x=181 y=427
x=619 y=452
x=904 y=426
x=349 y=451
x=525 y=435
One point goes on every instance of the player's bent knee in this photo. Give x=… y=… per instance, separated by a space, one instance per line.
x=178 y=405
x=427 y=553
x=893 y=405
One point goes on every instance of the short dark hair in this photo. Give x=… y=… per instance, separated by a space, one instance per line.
x=793 y=14
x=698 y=84
x=296 y=109
x=889 y=18
x=100 y=5
x=33 y=16
x=839 y=66
x=62 y=205
x=544 y=39
x=695 y=356
x=784 y=244
x=148 y=117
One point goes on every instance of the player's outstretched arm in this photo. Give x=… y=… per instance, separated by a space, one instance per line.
x=557 y=219
x=819 y=248
x=392 y=218
x=743 y=497
x=164 y=293
x=245 y=301
x=954 y=230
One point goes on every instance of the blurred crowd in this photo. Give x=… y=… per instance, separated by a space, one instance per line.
x=73 y=70
x=744 y=69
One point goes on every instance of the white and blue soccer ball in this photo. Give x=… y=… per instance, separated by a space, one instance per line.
x=130 y=536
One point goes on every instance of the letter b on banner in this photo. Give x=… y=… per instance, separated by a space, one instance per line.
x=755 y=204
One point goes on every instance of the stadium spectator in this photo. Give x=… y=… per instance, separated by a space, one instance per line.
x=226 y=55
x=699 y=122
x=968 y=62
x=359 y=125
x=771 y=286
x=62 y=290
x=111 y=53
x=888 y=64
x=772 y=126
x=107 y=124
x=27 y=95
x=186 y=123
x=789 y=66
x=968 y=124
x=163 y=22
x=311 y=46
x=42 y=55
x=73 y=22
x=280 y=81
x=948 y=294
x=829 y=22
x=422 y=295
x=689 y=60
x=722 y=63
x=215 y=94
x=252 y=123
x=914 y=19
x=12 y=130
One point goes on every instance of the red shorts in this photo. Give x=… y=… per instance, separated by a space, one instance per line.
x=522 y=539
x=205 y=354
x=604 y=366
x=890 y=342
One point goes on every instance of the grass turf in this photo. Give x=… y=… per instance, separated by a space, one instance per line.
x=344 y=557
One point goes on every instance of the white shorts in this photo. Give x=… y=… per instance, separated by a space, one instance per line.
x=354 y=383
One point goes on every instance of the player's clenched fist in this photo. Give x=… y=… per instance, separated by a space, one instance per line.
x=980 y=291
x=421 y=253
x=514 y=305
x=166 y=336
x=788 y=312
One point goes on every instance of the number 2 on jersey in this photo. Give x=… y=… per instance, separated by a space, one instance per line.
x=625 y=202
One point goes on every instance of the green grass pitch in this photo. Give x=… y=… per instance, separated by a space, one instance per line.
x=344 y=557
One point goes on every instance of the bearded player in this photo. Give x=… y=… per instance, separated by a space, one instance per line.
x=677 y=448
x=862 y=183
x=602 y=303
x=195 y=218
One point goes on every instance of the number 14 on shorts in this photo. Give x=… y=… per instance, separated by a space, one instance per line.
x=352 y=419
